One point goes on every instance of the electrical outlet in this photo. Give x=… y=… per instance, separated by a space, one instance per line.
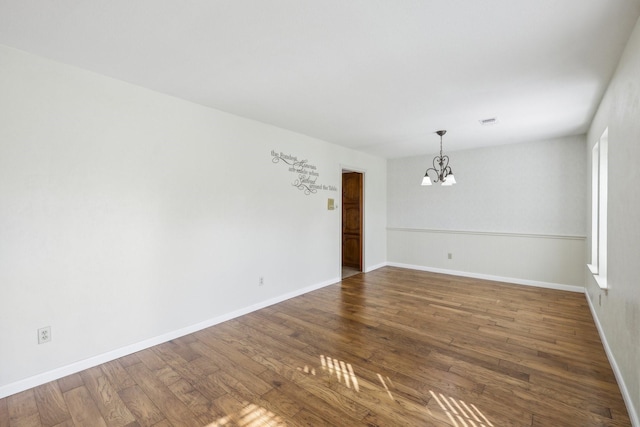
x=44 y=335
x=450 y=255
x=261 y=281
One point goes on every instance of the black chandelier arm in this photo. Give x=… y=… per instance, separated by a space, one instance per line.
x=437 y=161
x=437 y=174
x=445 y=162
x=440 y=166
x=442 y=161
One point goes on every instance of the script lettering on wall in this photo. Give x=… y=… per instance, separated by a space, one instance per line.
x=306 y=173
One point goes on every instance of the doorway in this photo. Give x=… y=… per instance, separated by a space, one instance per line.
x=352 y=219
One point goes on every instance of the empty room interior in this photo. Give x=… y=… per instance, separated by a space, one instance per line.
x=342 y=213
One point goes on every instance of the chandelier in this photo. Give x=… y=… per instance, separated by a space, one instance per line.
x=441 y=167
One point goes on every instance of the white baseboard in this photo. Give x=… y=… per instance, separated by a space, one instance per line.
x=375 y=267
x=549 y=285
x=52 y=375
x=633 y=414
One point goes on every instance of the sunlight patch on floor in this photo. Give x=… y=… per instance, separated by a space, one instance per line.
x=384 y=384
x=343 y=371
x=307 y=370
x=461 y=414
x=250 y=416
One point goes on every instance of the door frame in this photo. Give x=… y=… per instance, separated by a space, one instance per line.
x=344 y=169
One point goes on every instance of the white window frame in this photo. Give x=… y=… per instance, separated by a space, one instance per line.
x=599 y=198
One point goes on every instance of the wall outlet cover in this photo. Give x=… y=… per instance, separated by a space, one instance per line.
x=44 y=335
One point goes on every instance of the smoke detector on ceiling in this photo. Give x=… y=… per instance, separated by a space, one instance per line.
x=490 y=121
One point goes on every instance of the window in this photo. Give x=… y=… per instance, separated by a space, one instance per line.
x=599 y=188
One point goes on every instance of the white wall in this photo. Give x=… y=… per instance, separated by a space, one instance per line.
x=619 y=313
x=127 y=216
x=517 y=212
x=545 y=261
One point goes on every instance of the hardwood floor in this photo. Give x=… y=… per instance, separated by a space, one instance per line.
x=348 y=272
x=393 y=347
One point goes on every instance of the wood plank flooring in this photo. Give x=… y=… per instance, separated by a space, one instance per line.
x=393 y=347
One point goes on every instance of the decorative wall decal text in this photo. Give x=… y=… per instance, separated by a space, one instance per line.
x=307 y=173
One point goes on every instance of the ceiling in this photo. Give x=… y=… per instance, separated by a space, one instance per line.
x=380 y=76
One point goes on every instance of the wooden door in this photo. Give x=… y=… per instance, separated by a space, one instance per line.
x=352 y=220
